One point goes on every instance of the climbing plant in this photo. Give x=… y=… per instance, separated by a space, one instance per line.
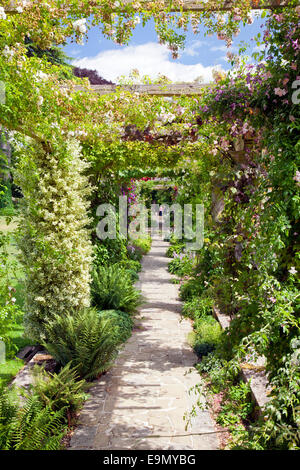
x=235 y=149
x=54 y=242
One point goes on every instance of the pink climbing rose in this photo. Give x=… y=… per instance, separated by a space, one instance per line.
x=280 y=91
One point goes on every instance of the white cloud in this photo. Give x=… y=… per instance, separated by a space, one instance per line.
x=193 y=48
x=150 y=59
x=219 y=48
x=75 y=52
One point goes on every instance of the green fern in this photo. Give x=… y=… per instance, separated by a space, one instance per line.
x=31 y=426
x=122 y=321
x=85 y=339
x=112 y=289
x=8 y=409
x=60 y=390
x=36 y=427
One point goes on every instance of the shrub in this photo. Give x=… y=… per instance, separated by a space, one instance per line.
x=85 y=339
x=101 y=254
x=208 y=335
x=134 y=252
x=55 y=245
x=133 y=268
x=112 y=289
x=131 y=265
x=123 y=324
x=10 y=315
x=144 y=244
x=109 y=251
x=133 y=275
x=237 y=405
x=6 y=204
x=9 y=211
x=181 y=265
x=197 y=307
x=59 y=390
x=210 y=364
x=178 y=248
x=191 y=288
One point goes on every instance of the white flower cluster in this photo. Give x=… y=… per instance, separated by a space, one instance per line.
x=80 y=26
x=41 y=76
x=2 y=14
x=55 y=245
x=77 y=133
x=165 y=117
x=22 y=5
x=40 y=100
x=8 y=52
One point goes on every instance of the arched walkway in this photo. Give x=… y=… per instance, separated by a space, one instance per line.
x=140 y=402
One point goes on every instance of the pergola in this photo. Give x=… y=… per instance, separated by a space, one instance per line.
x=173 y=89
x=181 y=89
x=197 y=5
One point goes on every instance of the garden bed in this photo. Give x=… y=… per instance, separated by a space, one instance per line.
x=252 y=373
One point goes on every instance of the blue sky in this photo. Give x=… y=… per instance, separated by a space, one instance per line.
x=201 y=55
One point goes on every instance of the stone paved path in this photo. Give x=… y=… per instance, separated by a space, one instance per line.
x=140 y=402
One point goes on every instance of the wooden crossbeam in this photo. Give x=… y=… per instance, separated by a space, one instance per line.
x=227 y=5
x=155 y=90
x=219 y=5
x=199 y=5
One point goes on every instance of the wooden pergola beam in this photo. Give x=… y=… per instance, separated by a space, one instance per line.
x=154 y=90
x=227 y=5
x=221 y=5
x=199 y=5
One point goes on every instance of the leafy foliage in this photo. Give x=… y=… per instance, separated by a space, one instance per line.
x=112 y=289
x=208 y=335
x=59 y=391
x=10 y=313
x=180 y=265
x=175 y=248
x=122 y=322
x=143 y=244
x=190 y=288
x=53 y=239
x=109 y=251
x=237 y=406
x=86 y=339
x=8 y=409
x=197 y=307
x=237 y=152
x=30 y=427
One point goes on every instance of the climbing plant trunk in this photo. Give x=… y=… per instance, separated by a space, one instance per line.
x=5 y=173
x=55 y=244
x=5 y=156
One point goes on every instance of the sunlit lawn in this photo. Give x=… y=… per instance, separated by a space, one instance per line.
x=16 y=281
x=8 y=227
x=12 y=366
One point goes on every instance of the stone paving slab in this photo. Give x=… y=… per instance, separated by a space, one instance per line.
x=140 y=403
